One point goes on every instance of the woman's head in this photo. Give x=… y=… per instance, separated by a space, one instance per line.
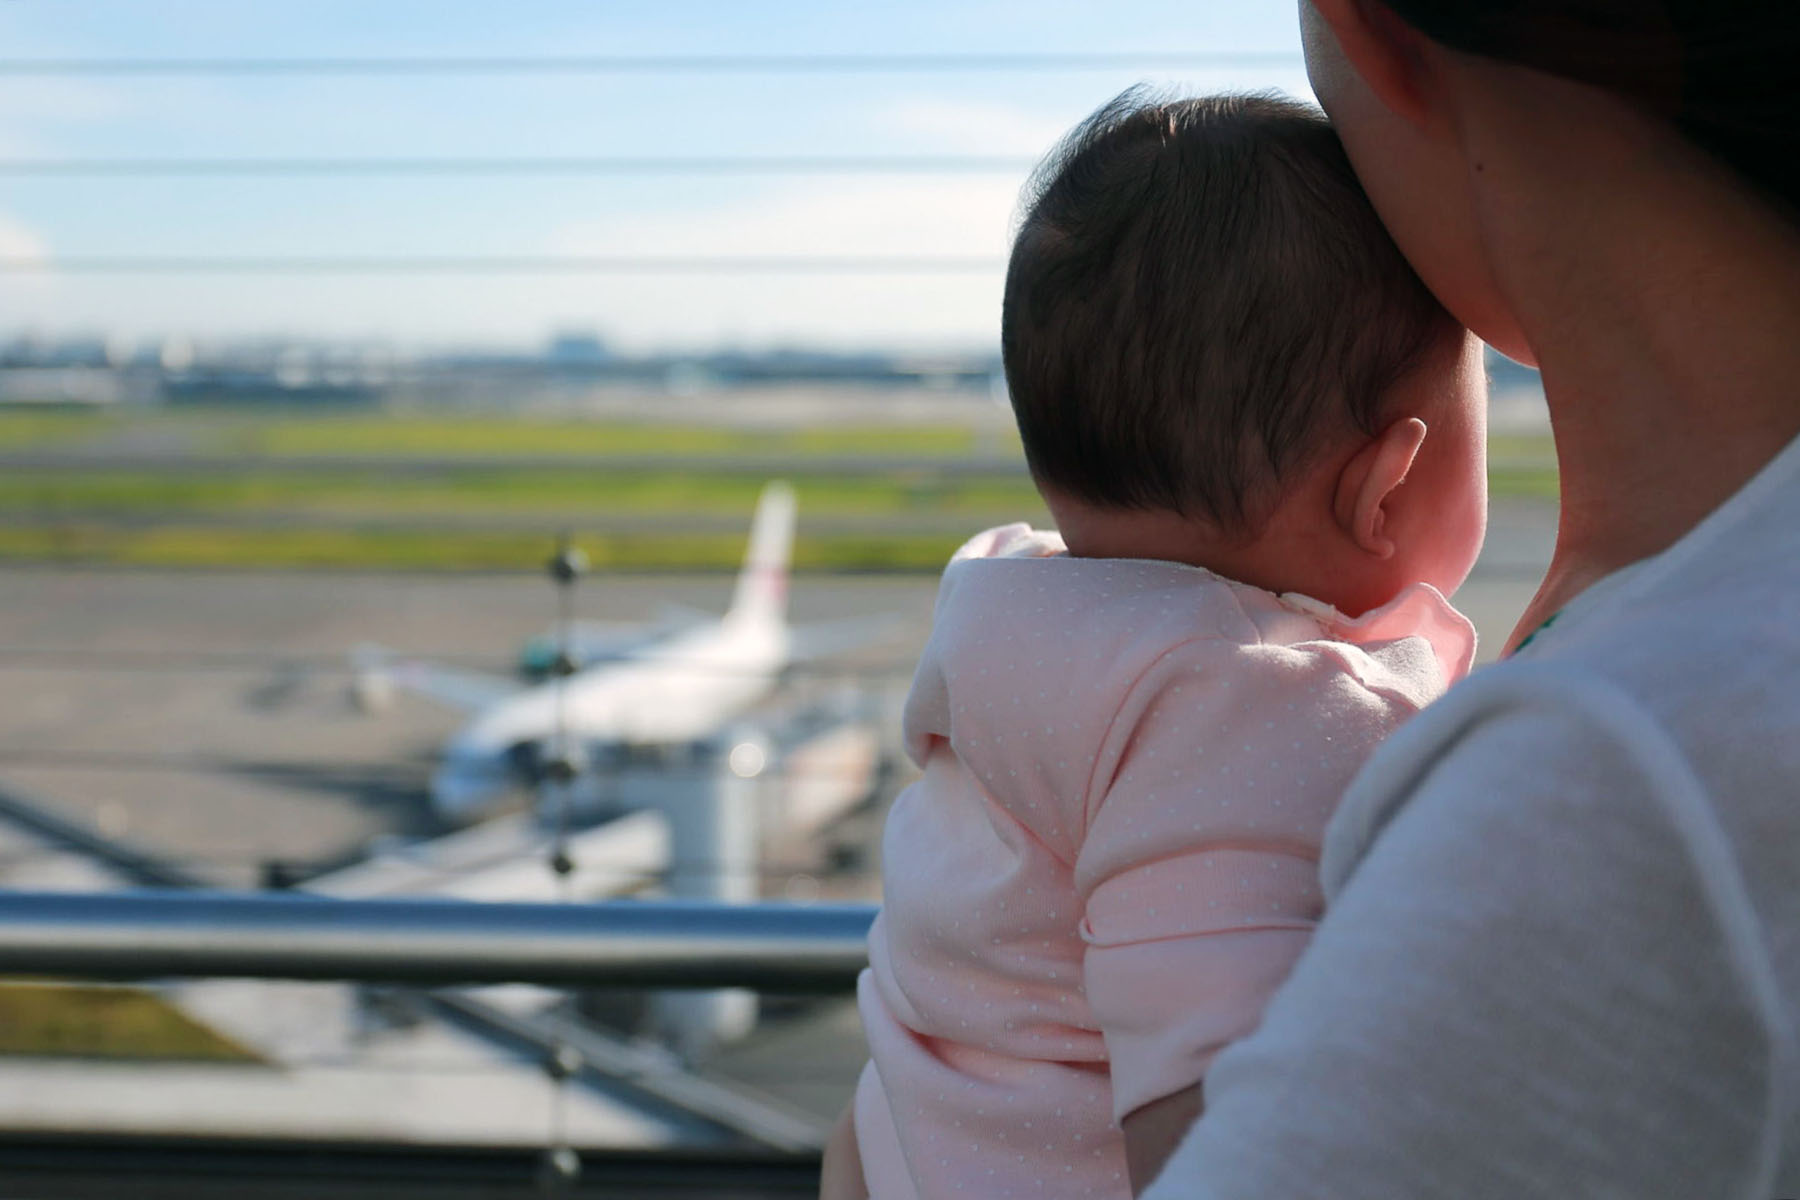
x=1720 y=71
x=1396 y=77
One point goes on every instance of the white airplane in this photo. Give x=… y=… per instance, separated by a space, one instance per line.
x=672 y=688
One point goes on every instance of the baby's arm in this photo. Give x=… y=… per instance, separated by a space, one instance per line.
x=841 y=1176
x=1198 y=863
x=1154 y=1130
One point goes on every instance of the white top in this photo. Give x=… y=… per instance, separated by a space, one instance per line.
x=1561 y=955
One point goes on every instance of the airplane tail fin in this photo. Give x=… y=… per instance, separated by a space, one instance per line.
x=762 y=586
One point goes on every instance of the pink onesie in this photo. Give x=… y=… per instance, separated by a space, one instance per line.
x=1109 y=862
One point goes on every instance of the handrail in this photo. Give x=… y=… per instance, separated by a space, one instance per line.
x=661 y=944
x=94 y=1163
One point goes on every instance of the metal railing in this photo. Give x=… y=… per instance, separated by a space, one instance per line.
x=784 y=948
x=57 y=1166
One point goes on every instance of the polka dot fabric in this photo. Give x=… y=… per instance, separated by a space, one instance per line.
x=1109 y=862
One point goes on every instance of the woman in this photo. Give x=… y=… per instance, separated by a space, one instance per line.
x=1562 y=956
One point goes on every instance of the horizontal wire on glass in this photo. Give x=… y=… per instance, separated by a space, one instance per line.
x=502 y=264
x=393 y=771
x=507 y=264
x=778 y=872
x=78 y=659
x=676 y=64
x=187 y=763
x=799 y=164
x=845 y=1074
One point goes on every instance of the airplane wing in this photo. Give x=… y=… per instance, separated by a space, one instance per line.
x=825 y=639
x=452 y=686
x=376 y=677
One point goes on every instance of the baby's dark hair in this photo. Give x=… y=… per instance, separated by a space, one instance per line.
x=1200 y=297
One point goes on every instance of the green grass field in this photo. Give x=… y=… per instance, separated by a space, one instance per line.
x=33 y=427
x=431 y=437
x=465 y=492
x=177 y=545
x=289 y=512
x=87 y=1021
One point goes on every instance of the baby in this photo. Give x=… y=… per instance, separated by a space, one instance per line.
x=1262 y=441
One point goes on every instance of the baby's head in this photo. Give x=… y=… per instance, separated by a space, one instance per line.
x=1217 y=356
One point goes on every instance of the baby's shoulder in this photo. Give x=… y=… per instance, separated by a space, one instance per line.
x=1095 y=619
x=1024 y=631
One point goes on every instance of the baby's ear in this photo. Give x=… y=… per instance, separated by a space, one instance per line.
x=1368 y=481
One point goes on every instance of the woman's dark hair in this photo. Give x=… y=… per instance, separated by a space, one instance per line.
x=1721 y=71
x=1201 y=296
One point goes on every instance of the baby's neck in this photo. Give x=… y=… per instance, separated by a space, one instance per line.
x=1278 y=560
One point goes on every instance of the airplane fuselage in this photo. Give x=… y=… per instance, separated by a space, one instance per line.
x=668 y=691
x=677 y=691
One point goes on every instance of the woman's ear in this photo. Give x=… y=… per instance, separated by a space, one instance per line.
x=1368 y=481
x=1381 y=48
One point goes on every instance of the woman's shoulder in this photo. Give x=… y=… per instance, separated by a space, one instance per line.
x=1672 y=786
x=1690 y=684
x=1684 y=664
x=1542 y=883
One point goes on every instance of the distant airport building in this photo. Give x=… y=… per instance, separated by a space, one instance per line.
x=573 y=369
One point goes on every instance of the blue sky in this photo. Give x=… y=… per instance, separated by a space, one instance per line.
x=495 y=116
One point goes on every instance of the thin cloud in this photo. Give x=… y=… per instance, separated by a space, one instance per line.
x=974 y=128
x=21 y=244
x=874 y=216
x=954 y=217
